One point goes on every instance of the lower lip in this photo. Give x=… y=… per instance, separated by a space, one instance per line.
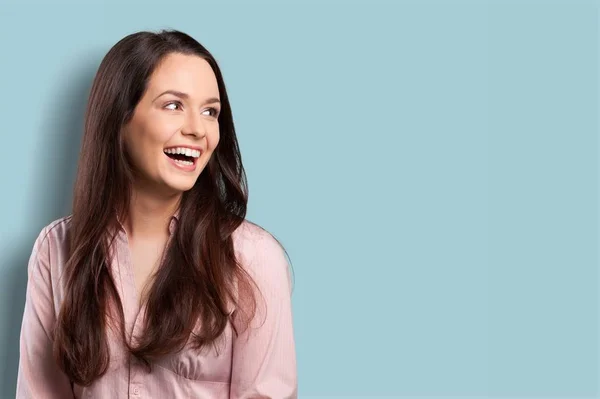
x=185 y=168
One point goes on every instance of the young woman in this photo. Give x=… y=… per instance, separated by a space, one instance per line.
x=157 y=286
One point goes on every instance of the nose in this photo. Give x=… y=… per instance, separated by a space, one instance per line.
x=193 y=125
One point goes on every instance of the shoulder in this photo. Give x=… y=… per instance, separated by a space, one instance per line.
x=252 y=241
x=262 y=255
x=55 y=232
x=249 y=234
x=46 y=262
x=51 y=242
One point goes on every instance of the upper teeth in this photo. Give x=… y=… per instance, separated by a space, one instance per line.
x=185 y=151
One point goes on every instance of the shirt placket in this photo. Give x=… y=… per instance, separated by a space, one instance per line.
x=134 y=314
x=134 y=317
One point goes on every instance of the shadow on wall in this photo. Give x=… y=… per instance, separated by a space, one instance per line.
x=59 y=145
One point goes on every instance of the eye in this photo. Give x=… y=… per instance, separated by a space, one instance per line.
x=177 y=103
x=215 y=112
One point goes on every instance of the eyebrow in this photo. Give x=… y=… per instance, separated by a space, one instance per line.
x=186 y=96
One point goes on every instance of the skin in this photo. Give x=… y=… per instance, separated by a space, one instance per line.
x=159 y=122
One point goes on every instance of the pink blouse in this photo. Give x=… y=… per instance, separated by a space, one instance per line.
x=259 y=363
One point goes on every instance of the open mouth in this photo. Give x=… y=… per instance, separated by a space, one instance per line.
x=183 y=156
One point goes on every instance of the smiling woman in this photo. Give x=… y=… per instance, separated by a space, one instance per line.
x=157 y=285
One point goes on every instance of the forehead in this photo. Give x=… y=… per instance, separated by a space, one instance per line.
x=186 y=73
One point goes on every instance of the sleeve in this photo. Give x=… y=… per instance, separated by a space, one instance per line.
x=264 y=356
x=38 y=375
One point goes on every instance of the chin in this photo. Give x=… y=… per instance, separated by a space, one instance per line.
x=181 y=186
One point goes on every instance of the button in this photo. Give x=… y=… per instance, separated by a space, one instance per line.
x=136 y=391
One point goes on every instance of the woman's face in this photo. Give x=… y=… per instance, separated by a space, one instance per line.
x=172 y=135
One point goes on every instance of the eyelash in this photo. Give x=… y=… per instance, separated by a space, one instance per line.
x=215 y=111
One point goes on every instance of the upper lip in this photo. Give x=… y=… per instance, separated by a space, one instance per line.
x=191 y=147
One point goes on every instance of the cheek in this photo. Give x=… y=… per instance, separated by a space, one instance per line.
x=137 y=156
x=130 y=140
x=146 y=142
x=158 y=131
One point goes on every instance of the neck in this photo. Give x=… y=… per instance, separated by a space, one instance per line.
x=149 y=215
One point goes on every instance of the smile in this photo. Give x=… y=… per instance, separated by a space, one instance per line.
x=183 y=158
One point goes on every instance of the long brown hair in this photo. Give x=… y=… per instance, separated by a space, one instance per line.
x=194 y=284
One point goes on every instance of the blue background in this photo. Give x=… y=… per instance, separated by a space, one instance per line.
x=430 y=166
